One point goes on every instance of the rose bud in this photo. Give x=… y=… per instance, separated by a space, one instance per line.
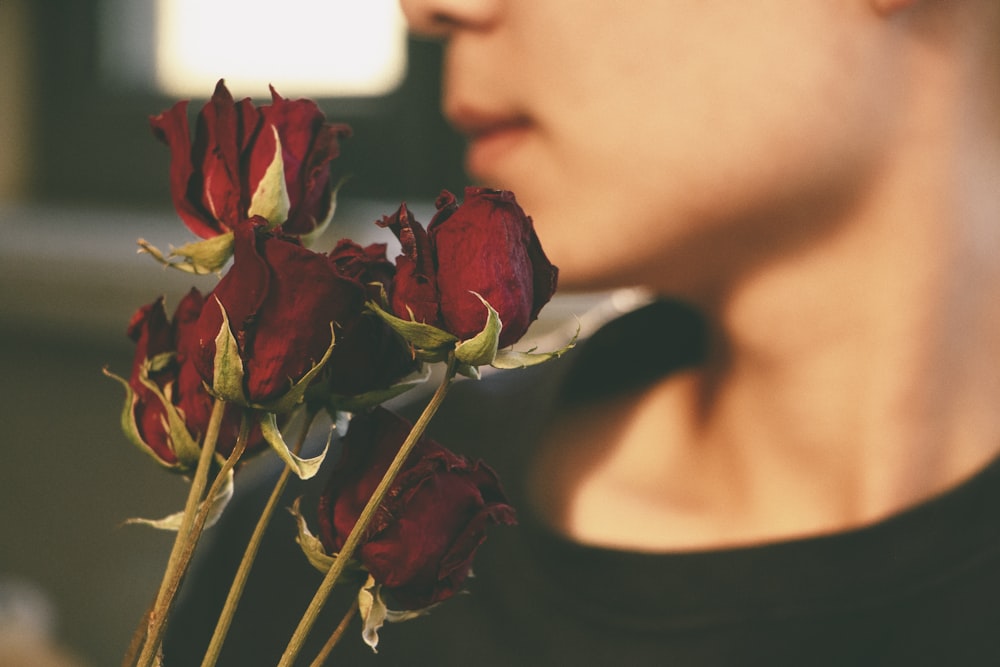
x=277 y=304
x=166 y=413
x=270 y=161
x=420 y=544
x=486 y=246
x=152 y=334
x=308 y=145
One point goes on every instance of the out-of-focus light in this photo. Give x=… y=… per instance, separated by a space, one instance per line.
x=319 y=48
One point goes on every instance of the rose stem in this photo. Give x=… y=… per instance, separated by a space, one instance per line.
x=137 y=638
x=158 y=625
x=198 y=483
x=354 y=537
x=253 y=546
x=335 y=637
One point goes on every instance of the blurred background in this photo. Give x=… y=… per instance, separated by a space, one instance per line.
x=81 y=178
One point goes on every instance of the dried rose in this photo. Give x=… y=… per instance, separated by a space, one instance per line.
x=488 y=245
x=485 y=246
x=194 y=399
x=308 y=145
x=420 y=544
x=152 y=334
x=271 y=161
x=278 y=302
x=167 y=408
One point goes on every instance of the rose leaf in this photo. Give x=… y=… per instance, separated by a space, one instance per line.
x=309 y=543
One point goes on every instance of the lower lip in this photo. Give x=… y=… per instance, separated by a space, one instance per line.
x=488 y=149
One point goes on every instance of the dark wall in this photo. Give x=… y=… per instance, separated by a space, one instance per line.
x=92 y=142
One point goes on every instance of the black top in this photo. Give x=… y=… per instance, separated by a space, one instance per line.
x=920 y=588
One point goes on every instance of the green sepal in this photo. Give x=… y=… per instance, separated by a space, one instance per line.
x=309 y=238
x=207 y=256
x=183 y=445
x=270 y=200
x=383 y=296
x=296 y=394
x=374 y=612
x=160 y=361
x=173 y=521
x=227 y=374
x=432 y=356
x=371 y=399
x=303 y=468
x=198 y=257
x=309 y=543
x=228 y=377
x=481 y=349
x=129 y=426
x=424 y=337
x=471 y=372
x=509 y=359
x=311 y=546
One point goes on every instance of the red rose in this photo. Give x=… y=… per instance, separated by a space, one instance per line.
x=420 y=544
x=167 y=346
x=308 y=144
x=151 y=332
x=193 y=399
x=367 y=265
x=485 y=245
x=369 y=356
x=281 y=300
x=219 y=179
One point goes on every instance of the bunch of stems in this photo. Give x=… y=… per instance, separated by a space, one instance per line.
x=150 y=632
x=196 y=512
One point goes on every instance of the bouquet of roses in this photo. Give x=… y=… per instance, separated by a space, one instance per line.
x=288 y=331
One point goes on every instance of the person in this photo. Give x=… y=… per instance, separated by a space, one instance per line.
x=790 y=457
x=820 y=180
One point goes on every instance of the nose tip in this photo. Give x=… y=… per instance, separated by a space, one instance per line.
x=439 y=18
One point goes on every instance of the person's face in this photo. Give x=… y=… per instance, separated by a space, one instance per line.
x=662 y=142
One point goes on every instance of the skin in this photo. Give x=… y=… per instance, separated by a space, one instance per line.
x=820 y=180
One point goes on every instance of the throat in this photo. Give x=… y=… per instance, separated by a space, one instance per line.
x=760 y=451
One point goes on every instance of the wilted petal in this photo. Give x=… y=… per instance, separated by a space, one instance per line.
x=415 y=293
x=171 y=127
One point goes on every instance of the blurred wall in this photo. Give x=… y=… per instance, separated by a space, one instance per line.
x=92 y=142
x=15 y=102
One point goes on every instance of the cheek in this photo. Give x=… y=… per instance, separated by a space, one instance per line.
x=618 y=187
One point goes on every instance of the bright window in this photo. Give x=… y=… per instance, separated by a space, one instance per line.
x=318 y=48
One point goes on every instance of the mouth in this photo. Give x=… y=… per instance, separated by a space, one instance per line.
x=491 y=138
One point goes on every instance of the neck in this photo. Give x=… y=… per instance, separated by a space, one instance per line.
x=864 y=362
x=847 y=380
x=870 y=353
